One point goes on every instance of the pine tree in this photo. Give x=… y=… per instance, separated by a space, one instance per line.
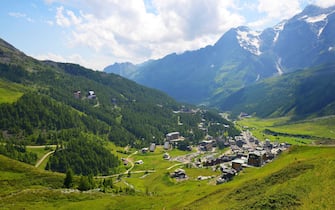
x=84 y=184
x=68 y=181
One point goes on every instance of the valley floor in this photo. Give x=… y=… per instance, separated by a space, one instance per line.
x=301 y=178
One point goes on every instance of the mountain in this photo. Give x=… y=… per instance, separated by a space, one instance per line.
x=241 y=57
x=45 y=102
x=299 y=94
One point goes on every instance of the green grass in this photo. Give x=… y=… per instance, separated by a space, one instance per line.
x=9 y=92
x=288 y=183
x=40 y=153
x=301 y=178
x=312 y=129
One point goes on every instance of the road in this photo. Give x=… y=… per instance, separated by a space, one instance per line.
x=43 y=158
x=41 y=146
x=131 y=162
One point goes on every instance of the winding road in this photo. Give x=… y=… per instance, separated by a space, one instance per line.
x=43 y=158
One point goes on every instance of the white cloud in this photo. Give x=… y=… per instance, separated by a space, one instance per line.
x=72 y=58
x=50 y=56
x=20 y=15
x=324 y=3
x=130 y=32
x=280 y=8
x=276 y=11
x=137 y=30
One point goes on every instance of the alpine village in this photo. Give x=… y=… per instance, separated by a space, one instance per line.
x=246 y=123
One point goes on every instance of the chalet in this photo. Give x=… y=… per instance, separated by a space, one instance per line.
x=237 y=164
x=257 y=158
x=178 y=174
x=144 y=150
x=227 y=175
x=239 y=142
x=243 y=114
x=77 y=94
x=167 y=145
x=91 y=95
x=166 y=156
x=172 y=136
x=267 y=144
x=206 y=145
x=152 y=147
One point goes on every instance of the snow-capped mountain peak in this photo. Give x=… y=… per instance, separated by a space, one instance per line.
x=249 y=40
x=317 y=21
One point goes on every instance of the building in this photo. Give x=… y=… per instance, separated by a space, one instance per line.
x=77 y=94
x=172 y=136
x=166 y=156
x=206 y=145
x=91 y=95
x=237 y=164
x=256 y=158
x=152 y=147
x=178 y=174
x=144 y=150
x=167 y=145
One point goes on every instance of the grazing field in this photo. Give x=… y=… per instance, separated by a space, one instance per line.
x=301 y=178
x=9 y=92
x=317 y=130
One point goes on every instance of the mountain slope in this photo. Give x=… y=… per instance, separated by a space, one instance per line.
x=56 y=103
x=300 y=94
x=49 y=109
x=298 y=179
x=240 y=57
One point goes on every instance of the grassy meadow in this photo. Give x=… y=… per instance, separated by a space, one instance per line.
x=300 y=132
x=300 y=178
x=9 y=92
x=303 y=177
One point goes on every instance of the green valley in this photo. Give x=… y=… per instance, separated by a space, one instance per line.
x=74 y=138
x=300 y=178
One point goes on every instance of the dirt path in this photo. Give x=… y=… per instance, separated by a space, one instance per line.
x=131 y=162
x=178 y=164
x=42 y=146
x=43 y=158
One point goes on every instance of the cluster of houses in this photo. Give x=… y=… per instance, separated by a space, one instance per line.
x=171 y=140
x=246 y=151
x=90 y=94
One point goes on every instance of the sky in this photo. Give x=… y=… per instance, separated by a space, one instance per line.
x=97 y=33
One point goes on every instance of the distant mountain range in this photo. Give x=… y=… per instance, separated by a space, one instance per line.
x=240 y=58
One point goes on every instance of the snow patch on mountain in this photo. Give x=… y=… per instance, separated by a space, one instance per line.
x=318 y=22
x=278 y=28
x=315 y=19
x=279 y=67
x=249 y=40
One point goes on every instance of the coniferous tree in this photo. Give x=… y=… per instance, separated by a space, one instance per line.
x=68 y=181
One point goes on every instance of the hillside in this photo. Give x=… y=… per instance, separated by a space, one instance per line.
x=59 y=103
x=304 y=93
x=299 y=179
x=241 y=57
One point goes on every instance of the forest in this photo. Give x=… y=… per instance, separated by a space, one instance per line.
x=83 y=157
x=123 y=112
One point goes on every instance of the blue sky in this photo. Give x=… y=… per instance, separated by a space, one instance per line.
x=98 y=33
